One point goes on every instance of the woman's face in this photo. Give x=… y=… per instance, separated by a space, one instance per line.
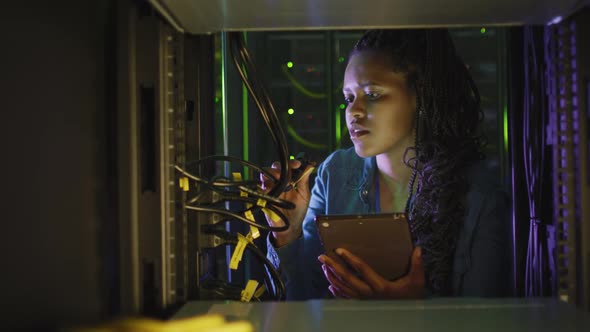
x=381 y=107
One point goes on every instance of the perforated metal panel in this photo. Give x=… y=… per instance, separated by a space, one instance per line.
x=562 y=78
x=172 y=147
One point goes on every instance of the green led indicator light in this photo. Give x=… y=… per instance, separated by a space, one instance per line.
x=290 y=111
x=341 y=59
x=342 y=106
x=483 y=30
x=292 y=157
x=216 y=99
x=290 y=64
x=505 y=125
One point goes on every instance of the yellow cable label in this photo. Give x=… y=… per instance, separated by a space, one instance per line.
x=254 y=232
x=260 y=291
x=249 y=290
x=272 y=215
x=249 y=215
x=261 y=202
x=238 y=178
x=236 y=257
x=183 y=183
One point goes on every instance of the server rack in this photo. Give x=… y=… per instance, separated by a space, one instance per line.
x=110 y=193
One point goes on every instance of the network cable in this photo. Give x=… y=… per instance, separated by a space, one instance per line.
x=211 y=194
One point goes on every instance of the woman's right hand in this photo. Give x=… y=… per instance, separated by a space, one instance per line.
x=299 y=196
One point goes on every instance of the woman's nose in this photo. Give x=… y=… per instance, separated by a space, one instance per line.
x=356 y=109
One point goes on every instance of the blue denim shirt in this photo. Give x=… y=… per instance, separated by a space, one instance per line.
x=482 y=261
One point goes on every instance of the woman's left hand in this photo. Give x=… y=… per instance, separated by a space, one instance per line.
x=369 y=284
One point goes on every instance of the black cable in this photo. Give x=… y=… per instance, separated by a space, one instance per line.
x=244 y=66
x=226 y=189
x=233 y=159
x=243 y=219
x=239 y=52
x=278 y=290
x=211 y=183
x=534 y=160
x=276 y=201
x=252 y=198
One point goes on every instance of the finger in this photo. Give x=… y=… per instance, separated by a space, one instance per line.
x=410 y=286
x=303 y=181
x=267 y=181
x=372 y=278
x=264 y=181
x=347 y=277
x=335 y=281
x=337 y=293
x=292 y=164
x=272 y=173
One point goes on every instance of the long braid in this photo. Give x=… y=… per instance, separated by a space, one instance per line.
x=447 y=141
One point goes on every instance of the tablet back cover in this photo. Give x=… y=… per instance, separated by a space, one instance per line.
x=383 y=241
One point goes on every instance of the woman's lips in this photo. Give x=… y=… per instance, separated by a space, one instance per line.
x=356 y=133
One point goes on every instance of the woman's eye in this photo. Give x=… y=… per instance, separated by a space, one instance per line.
x=373 y=95
x=348 y=100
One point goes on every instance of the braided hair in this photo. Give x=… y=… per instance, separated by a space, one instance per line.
x=447 y=140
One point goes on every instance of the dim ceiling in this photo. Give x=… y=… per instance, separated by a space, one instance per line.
x=203 y=16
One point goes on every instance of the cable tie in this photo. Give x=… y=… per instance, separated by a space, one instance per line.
x=249 y=290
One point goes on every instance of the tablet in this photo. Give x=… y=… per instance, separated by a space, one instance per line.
x=383 y=241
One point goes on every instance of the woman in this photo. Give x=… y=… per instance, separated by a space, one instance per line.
x=413 y=114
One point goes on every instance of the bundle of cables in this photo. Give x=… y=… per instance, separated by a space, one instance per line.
x=248 y=192
x=534 y=122
x=232 y=292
